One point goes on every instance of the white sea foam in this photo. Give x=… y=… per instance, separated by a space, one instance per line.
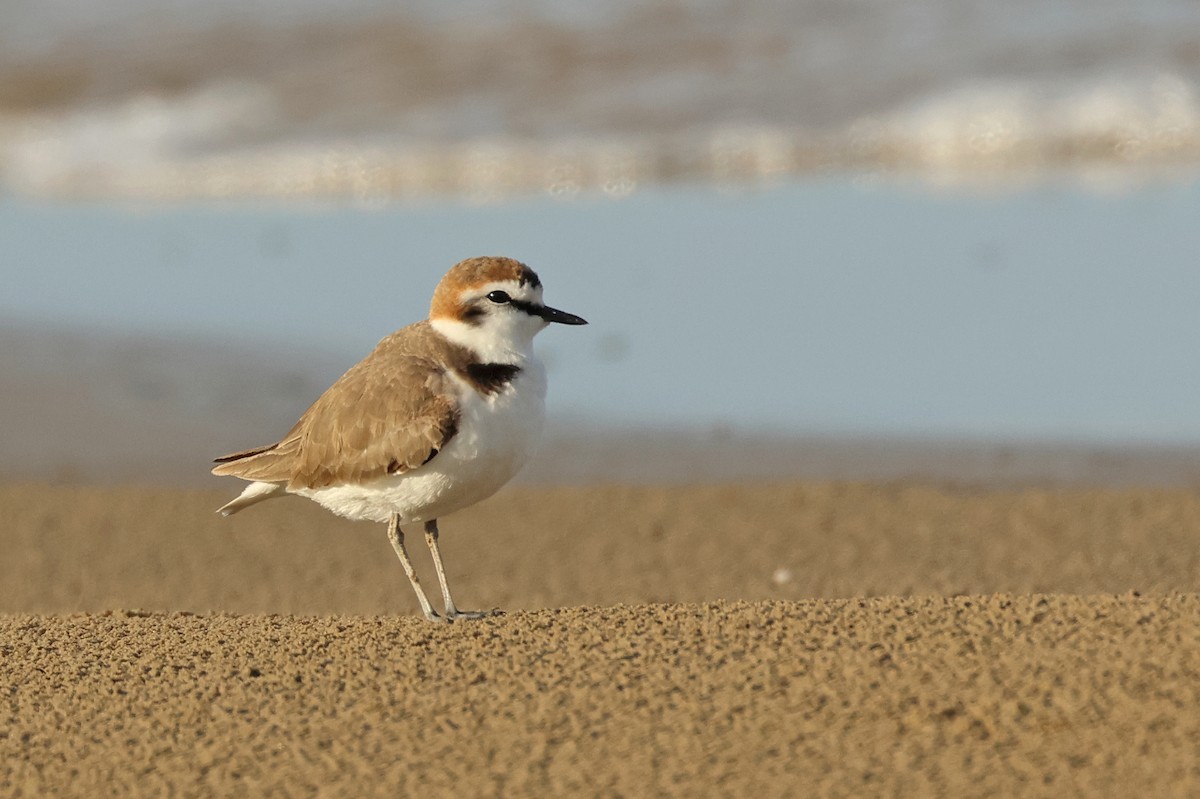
x=980 y=132
x=223 y=141
x=130 y=147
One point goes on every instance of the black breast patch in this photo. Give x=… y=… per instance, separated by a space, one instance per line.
x=491 y=378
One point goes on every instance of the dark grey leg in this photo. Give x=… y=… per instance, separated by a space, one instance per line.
x=396 y=536
x=452 y=612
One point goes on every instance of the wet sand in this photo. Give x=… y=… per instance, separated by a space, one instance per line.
x=756 y=639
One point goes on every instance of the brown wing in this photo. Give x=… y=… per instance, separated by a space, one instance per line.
x=389 y=414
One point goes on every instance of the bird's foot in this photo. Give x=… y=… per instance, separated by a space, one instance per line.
x=432 y=615
x=454 y=614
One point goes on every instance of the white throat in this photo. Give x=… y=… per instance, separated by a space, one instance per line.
x=489 y=342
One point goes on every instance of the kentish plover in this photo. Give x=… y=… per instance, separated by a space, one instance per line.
x=438 y=417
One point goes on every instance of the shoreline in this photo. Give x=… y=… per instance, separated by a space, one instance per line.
x=92 y=548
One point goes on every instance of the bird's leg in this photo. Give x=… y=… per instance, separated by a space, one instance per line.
x=452 y=612
x=396 y=536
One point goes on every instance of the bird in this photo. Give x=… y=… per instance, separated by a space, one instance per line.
x=439 y=416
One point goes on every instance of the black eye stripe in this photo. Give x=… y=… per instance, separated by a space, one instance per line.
x=502 y=298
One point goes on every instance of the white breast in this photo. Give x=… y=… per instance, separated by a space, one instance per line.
x=496 y=434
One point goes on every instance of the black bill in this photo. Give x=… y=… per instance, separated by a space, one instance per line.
x=555 y=315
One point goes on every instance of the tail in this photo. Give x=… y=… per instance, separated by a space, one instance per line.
x=267 y=468
x=255 y=493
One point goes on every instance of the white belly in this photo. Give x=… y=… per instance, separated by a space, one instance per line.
x=495 y=437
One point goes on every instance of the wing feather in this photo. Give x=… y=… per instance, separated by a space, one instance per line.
x=389 y=414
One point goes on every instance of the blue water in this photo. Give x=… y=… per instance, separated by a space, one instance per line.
x=826 y=307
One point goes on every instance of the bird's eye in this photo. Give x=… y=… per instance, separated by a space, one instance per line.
x=498 y=297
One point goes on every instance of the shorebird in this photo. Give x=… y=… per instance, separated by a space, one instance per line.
x=438 y=417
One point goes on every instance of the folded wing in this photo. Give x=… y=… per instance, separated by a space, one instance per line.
x=387 y=415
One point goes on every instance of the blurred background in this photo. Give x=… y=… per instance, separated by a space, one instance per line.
x=866 y=238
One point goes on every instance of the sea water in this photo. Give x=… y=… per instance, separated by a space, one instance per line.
x=819 y=306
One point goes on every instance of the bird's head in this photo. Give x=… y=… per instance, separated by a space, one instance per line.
x=493 y=306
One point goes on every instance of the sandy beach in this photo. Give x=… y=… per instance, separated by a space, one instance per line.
x=770 y=639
